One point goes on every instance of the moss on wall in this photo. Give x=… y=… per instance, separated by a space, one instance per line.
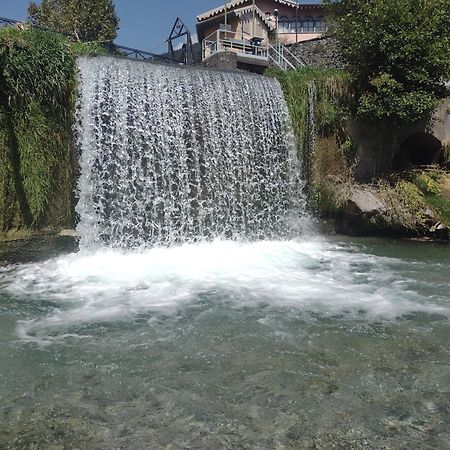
x=317 y=100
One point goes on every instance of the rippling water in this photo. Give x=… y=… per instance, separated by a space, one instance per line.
x=290 y=344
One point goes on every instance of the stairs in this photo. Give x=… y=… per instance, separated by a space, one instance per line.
x=281 y=57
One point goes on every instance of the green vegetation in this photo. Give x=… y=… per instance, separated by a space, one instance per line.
x=397 y=53
x=35 y=66
x=37 y=83
x=414 y=201
x=434 y=186
x=329 y=89
x=405 y=205
x=317 y=101
x=413 y=196
x=80 y=20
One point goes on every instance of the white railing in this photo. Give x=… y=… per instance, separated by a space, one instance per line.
x=278 y=54
x=303 y=30
x=222 y=40
x=283 y=58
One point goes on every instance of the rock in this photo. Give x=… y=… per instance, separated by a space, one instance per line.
x=36 y=248
x=69 y=233
x=363 y=214
x=440 y=231
x=364 y=203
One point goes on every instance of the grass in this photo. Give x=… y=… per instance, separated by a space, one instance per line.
x=318 y=131
x=37 y=91
x=440 y=204
x=431 y=183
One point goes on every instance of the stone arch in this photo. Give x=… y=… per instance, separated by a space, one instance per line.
x=419 y=149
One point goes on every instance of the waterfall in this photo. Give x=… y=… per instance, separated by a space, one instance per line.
x=173 y=154
x=310 y=131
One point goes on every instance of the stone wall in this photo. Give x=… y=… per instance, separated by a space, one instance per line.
x=377 y=147
x=320 y=52
x=222 y=61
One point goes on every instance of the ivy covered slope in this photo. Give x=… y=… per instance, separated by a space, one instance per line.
x=413 y=202
x=37 y=85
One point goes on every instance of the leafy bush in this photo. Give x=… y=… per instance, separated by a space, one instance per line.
x=397 y=52
x=426 y=182
x=36 y=66
x=405 y=204
x=322 y=89
x=87 y=48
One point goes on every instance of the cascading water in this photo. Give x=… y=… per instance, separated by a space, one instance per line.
x=170 y=155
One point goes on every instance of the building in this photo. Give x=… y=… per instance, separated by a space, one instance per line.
x=258 y=29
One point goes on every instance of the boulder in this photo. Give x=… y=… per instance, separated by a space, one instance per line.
x=364 y=203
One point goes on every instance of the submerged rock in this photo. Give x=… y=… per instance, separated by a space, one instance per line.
x=37 y=247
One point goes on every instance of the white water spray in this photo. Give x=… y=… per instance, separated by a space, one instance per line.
x=171 y=155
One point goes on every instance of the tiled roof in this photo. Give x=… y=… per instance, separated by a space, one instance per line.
x=259 y=13
x=232 y=4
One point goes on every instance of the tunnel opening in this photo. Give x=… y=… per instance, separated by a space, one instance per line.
x=419 y=149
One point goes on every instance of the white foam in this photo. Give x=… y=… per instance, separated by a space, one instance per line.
x=307 y=275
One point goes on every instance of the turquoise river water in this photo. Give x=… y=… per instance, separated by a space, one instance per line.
x=320 y=343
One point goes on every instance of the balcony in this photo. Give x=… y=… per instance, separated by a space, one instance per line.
x=247 y=50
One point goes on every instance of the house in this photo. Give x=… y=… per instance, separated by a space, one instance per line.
x=251 y=28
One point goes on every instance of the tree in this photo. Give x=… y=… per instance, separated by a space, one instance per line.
x=398 y=54
x=81 y=20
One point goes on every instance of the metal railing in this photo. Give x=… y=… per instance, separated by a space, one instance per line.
x=279 y=55
x=111 y=48
x=129 y=52
x=283 y=58
x=222 y=40
x=4 y=22
x=303 y=30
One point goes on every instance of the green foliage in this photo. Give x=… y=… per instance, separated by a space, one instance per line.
x=330 y=88
x=81 y=20
x=35 y=65
x=37 y=82
x=7 y=192
x=426 y=182
x=326 y=90
x=44 y=157
x=405 y=204
x=431 y=185
x=441 y=205
x=397 y=52
x=328 y=197
x=87 y=48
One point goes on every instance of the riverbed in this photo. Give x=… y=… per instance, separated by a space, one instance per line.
x=326 y=342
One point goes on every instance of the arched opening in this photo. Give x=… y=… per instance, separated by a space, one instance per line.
x=319 y=24
x=296 y=25
x=284 y=24
x=419 y=149
x=308 y=24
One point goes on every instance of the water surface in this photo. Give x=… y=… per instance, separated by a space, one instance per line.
x=295 y=344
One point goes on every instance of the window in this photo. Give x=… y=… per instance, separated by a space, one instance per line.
x=320 y=24
x=284 y=24
x=308 y=25
x=296 y=25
